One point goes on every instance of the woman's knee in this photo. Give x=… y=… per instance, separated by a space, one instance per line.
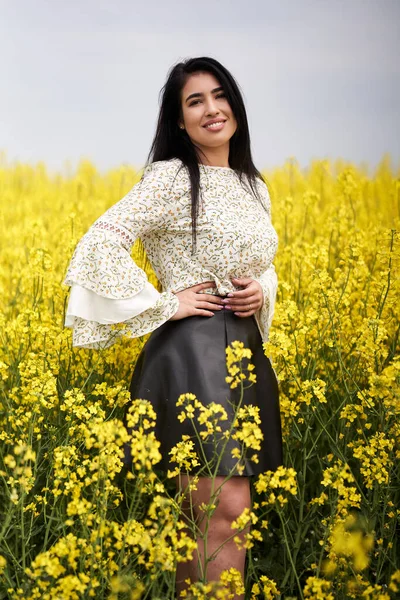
x=230 y=498
x=233 y=499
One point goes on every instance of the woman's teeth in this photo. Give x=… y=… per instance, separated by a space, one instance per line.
x=214 y=125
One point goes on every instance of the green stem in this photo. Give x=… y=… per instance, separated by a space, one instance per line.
x=289 y=552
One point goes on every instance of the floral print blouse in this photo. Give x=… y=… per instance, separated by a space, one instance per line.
x=111 y=296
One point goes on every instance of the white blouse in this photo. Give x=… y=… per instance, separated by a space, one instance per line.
x=111 y=296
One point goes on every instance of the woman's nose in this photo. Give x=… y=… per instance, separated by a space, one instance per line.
x=211 y=107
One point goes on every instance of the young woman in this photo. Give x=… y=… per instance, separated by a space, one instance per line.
x=202 y=211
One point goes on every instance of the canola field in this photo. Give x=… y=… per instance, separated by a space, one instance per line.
x=75 y=525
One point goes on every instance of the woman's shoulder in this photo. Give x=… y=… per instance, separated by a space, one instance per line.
x=164 y=167
x=262 y=184
x=164 y=174
x=263 y=189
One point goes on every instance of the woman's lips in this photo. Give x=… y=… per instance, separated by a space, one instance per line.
x=215 y=127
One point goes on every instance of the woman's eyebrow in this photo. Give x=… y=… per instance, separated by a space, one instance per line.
x=197 y=94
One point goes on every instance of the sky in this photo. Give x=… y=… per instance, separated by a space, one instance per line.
x=82 y=79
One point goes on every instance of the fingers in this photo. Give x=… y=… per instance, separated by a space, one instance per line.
x=201 y=309
x=244 y=307
x=242 y=280
x=189 y=310
x=235 y=302
x=246 y=302
x=212 y=299
x=202 y=286
x=212 y=305
x=203 y=313
x=249 y=291
x=243 y=303
x=243 y=314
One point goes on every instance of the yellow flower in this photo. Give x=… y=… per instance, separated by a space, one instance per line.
x=318 y=589
x=235 y=355
x=184 y=454
x=3 y=564
x=244 y=519
x=283 y=479
x=232 y=581
x=375 y=458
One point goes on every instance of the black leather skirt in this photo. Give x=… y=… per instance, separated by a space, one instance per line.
x=188 y=355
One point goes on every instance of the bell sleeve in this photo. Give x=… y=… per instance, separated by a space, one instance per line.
x=269 y=283
x=110 y=295
x=268 y=280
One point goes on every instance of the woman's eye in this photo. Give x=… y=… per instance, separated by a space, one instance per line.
x=222 y=95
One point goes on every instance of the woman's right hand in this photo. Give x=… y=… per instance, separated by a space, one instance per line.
x=194 y=302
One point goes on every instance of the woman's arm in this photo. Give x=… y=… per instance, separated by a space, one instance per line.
x=258 y=295
x=256 y=298
x=110 y=295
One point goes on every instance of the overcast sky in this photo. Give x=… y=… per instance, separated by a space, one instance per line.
x=81 y=78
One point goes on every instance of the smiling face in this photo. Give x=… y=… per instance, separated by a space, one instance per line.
x=203 y=101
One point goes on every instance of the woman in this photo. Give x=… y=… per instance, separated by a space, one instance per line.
x=214 y=261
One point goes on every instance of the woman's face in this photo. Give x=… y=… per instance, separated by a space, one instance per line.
x=203 y=100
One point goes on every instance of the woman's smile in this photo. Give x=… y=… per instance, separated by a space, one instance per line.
x=217 y=126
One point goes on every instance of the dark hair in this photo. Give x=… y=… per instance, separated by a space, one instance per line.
x=172 y=142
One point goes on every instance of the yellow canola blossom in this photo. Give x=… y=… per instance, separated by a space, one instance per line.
x=77 y=523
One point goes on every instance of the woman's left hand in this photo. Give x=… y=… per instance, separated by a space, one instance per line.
x=246 y=302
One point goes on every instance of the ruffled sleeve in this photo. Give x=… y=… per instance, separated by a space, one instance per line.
x=110 y=295
x=269 y=283
x=268 y=279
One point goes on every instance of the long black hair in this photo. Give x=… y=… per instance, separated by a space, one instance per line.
x=170 y=141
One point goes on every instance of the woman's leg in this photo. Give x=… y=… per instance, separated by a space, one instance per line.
x=233 y=498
